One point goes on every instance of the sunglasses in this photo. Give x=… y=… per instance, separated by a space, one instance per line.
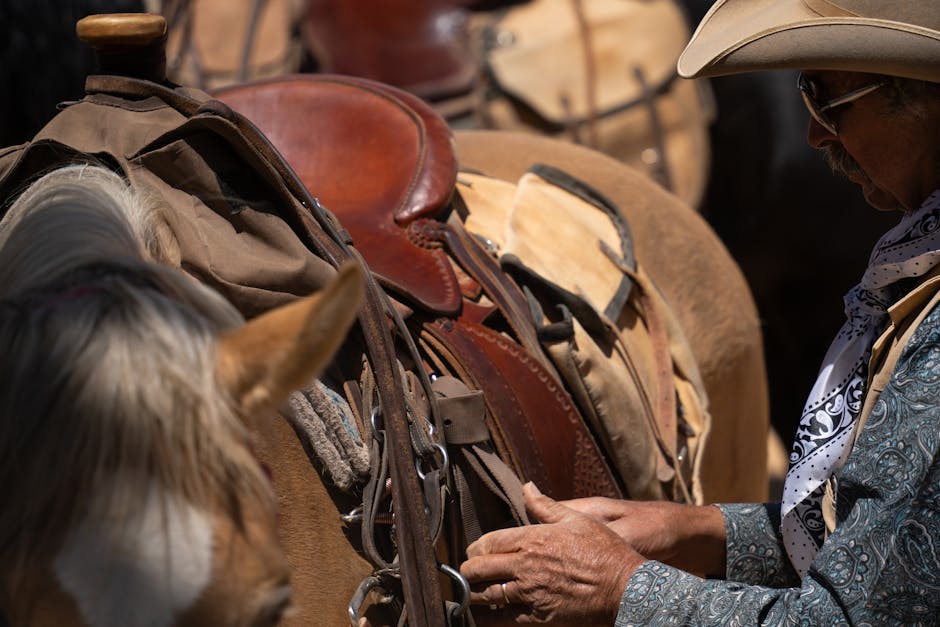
x=819 y=110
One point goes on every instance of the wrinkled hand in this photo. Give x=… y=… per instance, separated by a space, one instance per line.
x=570 y=570
x=689 y=537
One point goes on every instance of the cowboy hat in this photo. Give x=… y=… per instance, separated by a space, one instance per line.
x=892 y=37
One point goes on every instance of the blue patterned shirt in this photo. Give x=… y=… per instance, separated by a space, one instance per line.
x=881 y=565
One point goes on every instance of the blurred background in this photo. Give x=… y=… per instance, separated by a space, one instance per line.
x=596 y=72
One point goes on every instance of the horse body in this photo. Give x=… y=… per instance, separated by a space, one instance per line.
x=714 y=305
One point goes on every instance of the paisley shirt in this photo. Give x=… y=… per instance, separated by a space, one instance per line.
x=881 y=565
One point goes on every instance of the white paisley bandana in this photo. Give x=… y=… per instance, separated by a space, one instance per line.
x=910 y=249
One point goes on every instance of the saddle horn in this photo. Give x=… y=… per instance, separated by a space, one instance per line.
x=127 y=44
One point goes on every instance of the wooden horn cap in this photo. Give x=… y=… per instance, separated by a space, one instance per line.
x=121 y=30
x=127 y=44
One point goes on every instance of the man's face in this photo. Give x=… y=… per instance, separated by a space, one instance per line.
x=893 y=155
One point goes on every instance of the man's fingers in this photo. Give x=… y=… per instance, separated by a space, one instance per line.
x=603 y=509
x=487 y=568
x=542 y=508
x=495 y=594
x=507 y=540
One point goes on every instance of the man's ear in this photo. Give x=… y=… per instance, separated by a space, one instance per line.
x=269 y=357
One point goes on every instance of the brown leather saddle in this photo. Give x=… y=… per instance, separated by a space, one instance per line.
x=413 y=45
x=381 y=160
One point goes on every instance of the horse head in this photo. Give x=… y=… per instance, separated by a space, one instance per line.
x=132 y=493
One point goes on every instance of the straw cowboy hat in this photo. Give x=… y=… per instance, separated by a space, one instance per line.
x=893 y=37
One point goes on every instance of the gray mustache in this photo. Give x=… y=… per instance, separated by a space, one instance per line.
x=840 y=162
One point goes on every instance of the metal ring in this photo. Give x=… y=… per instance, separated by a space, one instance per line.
x=505 y=596
x=355 y=604
x=353 y=516
x=445 y=461
x=461 y=581
x=378 y=435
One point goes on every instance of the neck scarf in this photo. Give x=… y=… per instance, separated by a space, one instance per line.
x=910 y=249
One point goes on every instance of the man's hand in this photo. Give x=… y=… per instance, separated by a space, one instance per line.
x=688 y=537
x=570 y=570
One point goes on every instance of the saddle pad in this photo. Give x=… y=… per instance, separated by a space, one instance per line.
x=624 y=359
x=206 y=40
x=607 y=81
x=541 y=53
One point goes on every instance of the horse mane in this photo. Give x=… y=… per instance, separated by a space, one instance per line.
x=108 y=367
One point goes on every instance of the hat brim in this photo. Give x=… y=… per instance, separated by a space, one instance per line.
x=738 y=36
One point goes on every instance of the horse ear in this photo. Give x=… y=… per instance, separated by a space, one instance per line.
x=262 y=362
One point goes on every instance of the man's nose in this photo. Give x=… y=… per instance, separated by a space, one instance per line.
x=816 y=134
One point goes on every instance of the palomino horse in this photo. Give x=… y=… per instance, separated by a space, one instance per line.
x=239 y=222
x=133 y=497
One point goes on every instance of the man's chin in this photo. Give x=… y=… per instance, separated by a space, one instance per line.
x=879 y=199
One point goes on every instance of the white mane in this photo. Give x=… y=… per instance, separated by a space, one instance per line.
x=108 y=367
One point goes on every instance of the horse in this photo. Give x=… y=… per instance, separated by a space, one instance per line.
x=134 y=495
x=738 y=155
x=216 y=213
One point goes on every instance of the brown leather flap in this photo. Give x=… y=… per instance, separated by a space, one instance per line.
x=377 y=157
x=532 y=411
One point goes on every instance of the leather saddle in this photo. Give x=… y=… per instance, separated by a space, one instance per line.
x=378 y=161
x=382 y=161
x=411 y=44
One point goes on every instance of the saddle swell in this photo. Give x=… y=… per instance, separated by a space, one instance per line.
x=536 y=425
x=377 y=160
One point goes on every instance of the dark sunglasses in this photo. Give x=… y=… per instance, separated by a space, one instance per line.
x=818 y=109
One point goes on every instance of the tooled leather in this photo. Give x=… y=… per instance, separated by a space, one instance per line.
x=532 y=410
x=590 y=478
x=375 y=194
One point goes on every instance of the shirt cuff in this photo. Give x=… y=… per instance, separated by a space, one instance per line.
x=656 y=590
x=755 y=550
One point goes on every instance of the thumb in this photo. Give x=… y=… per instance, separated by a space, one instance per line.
x=543 y=508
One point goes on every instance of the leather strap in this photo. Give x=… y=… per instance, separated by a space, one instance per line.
x=464 y=414
x=510 y=300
